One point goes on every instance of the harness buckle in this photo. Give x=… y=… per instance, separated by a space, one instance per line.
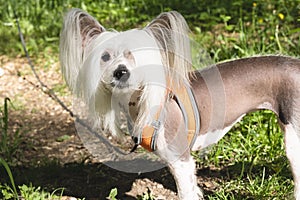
x=156 y=124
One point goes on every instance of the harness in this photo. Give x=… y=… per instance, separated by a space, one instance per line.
x=185 y=99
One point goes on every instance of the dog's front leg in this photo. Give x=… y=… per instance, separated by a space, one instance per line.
x=182 y=166
x=173 y=147
x=183 y=171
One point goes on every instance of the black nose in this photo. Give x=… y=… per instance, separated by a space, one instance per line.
x=121 y=73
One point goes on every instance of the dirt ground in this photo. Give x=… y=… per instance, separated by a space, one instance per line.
x=51 y=154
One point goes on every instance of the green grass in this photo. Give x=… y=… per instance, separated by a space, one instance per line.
x=9 y=142
x=252 y=160
x=229 y=28
x=29 y=193
x=251 y=157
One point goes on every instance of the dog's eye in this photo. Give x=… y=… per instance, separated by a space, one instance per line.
x=105 y=56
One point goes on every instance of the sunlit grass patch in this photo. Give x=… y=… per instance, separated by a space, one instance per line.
x=251 y=160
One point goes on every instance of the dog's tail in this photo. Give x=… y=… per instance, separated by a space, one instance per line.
x=79 y=29
x=171 y=33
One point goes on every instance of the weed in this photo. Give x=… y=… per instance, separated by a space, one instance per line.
x=7 y=191
x=10 y=139
x=113 y=194
x=146 y=196
x=29 y=193
x=36 y=193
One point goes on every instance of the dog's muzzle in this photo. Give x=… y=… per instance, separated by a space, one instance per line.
x=121 y=74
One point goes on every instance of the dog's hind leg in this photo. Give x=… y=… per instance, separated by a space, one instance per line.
x=292 y=146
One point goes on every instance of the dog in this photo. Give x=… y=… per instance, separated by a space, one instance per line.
x=172 y=109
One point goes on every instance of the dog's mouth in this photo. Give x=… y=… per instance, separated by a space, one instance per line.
x=119 y=84
x=110 y=86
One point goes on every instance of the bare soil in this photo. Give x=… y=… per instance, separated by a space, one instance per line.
x=50 y=153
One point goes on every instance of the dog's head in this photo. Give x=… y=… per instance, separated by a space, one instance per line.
x=101 y=65
x=124 y=61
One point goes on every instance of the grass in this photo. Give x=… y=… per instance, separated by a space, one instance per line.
x=28 y=193
x=227 y=27
x=251 y=156
x=252 y=159
x=8 y=148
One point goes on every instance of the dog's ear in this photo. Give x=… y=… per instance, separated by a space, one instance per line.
x=89 y=27
x=77 y=36
x=171 y=21
x=77 y=21
x=170 y=30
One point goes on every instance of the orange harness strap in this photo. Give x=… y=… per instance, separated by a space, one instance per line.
x=186 y=101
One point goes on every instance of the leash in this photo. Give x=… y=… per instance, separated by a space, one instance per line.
x=46 y=90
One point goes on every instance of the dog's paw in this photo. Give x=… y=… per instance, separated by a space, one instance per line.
x=200 y=193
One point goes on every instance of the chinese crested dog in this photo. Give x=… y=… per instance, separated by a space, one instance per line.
x=170 y=108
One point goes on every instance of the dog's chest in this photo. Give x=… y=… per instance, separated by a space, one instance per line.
x=133 y=105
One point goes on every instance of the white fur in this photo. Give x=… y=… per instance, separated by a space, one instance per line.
x=72 y=49
x=186 y=181
x=156 y=59
x=183 y=168
x=292 y=143
x=212 y=137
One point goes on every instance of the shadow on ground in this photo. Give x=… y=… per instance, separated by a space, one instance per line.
x=89 y=181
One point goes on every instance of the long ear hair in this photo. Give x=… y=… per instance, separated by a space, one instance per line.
x=78 y=32
x=170 y=30
x=170 y=33
x=78 y=38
